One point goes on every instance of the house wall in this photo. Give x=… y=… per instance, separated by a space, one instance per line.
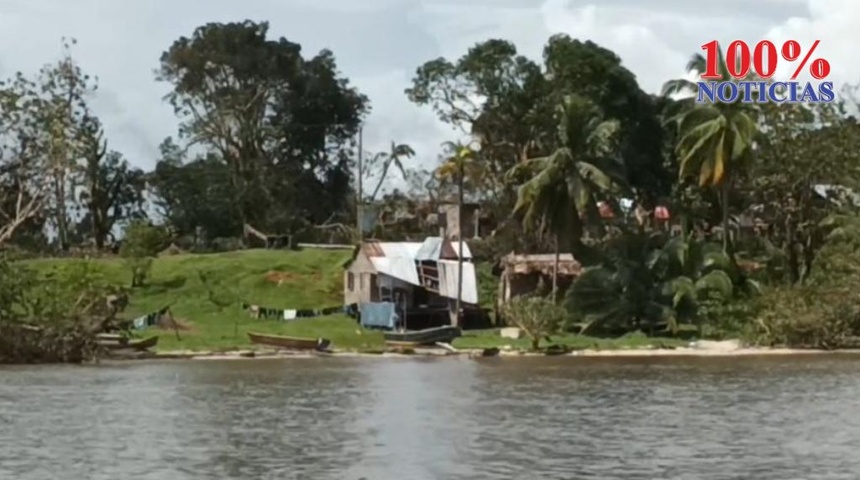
x=359 y=281
x=449 y=221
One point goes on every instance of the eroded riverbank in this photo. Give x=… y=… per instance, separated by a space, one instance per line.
x=696 y=349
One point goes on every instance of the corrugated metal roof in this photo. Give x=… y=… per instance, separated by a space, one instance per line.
x=401 y=268
x=432 y=249
x=448 y=270
x=400 y=249
x=467 y=253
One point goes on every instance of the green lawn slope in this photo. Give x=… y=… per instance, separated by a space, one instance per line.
x=311 y=278
x=275 y=279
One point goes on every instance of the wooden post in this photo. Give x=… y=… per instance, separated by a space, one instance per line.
x=359 y=200
x=456 y=318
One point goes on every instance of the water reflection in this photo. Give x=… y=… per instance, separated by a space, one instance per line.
x=417 y=419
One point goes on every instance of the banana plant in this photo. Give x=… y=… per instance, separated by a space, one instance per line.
x=648 y=282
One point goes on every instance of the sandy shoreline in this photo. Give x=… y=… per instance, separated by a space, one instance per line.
x=699 y=349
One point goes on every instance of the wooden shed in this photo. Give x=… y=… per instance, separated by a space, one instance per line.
x=520 y=274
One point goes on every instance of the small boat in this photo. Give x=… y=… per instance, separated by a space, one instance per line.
x=119 y=342
x=292 y=343
x=429 y=336
x=143 y=344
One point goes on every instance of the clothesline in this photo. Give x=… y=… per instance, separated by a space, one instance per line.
x=288 y=314
x=149 y=319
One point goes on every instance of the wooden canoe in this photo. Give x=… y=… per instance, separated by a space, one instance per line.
x=144 y=343
x=429 y=336
x=118 y=342
x=291 y=343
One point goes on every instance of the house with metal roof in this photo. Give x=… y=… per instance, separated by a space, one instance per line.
x=420 y=278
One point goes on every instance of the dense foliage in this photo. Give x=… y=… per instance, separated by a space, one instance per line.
x=565 y=155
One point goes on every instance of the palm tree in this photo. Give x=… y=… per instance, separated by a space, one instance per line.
x=392 y=157
x=712 y=138
x=562 y=187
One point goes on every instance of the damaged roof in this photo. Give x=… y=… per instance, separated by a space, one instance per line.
x=523 y=264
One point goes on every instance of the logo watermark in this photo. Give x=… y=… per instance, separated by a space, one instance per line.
x=750 y=73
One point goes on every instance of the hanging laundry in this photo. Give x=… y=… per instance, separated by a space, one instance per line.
x=150 y=319
x=257 y=311
x=139 y=323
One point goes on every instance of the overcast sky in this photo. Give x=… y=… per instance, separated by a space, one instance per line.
x=379 y=43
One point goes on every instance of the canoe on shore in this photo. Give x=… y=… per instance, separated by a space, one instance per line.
x=116 y=342
x=291 y=343
x=429 y=336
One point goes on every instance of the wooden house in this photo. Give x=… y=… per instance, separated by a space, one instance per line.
x=421 y=277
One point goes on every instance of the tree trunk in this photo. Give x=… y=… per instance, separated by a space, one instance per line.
x=724 y=197
x=555 y=269
x=60 y=214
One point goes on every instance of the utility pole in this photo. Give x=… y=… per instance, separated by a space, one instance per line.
x=358 y=200
x=460 y=161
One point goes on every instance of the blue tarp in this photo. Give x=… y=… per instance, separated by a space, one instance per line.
x=378 y=315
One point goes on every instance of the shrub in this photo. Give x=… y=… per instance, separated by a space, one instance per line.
x=141 y=243
x=538 y=317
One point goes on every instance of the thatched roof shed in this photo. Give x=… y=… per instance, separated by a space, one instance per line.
x=543 y=263
x=521 y=274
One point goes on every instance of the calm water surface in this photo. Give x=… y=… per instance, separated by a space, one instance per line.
x=414 y=419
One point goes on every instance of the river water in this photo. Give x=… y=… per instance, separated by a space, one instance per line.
x=415 y=419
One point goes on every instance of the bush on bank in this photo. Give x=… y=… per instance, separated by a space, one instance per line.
x=52 y=317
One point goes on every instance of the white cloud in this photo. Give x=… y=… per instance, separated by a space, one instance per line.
x=379 y=44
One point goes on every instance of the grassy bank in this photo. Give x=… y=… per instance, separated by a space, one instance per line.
x=275 y=279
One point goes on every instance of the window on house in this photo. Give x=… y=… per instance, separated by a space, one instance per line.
x=350 y=281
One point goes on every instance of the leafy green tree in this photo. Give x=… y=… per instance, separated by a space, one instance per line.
x=805 y=172
x=194 y=197
x=64 y=88
x=512 y=87
x=508 y=103
x=140 y=244
x=538 y=317
x=112 y=189
x=279 y=122
x=574 y=67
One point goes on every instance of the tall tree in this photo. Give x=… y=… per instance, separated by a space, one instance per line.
x=563 y=187
x=713 y=140
x=64 y=88
x=277 y=120
x=391 y=158
x=493 y=94
x=112 y=189
x=194 y=197
x=574 y=67
x=805 y=173
x=508 y=102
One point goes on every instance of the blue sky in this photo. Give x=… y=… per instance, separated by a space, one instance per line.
x=379 y=43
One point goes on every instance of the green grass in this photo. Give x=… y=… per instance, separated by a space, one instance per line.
x=314 y=279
